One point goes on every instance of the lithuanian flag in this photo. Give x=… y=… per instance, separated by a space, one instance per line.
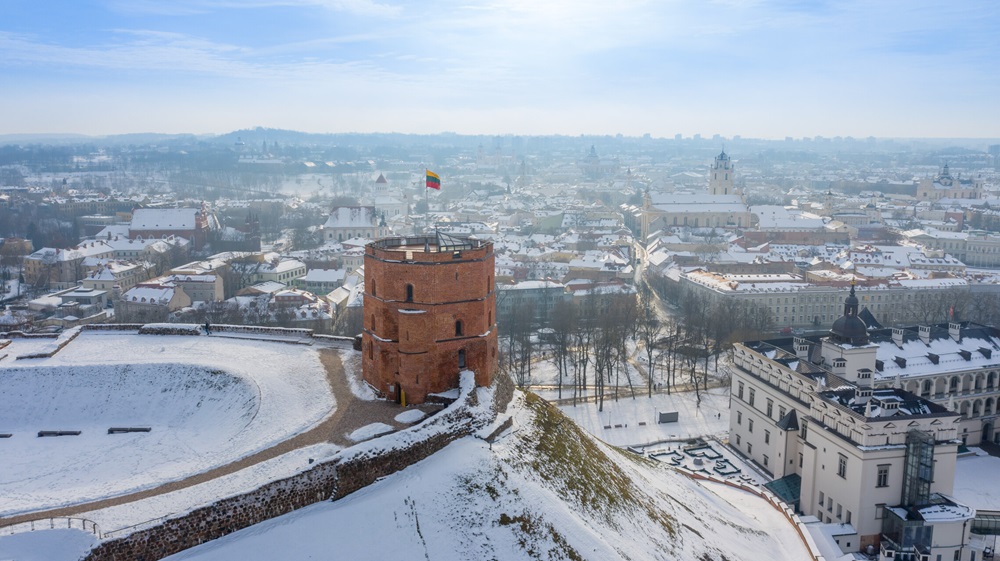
x=433 y=181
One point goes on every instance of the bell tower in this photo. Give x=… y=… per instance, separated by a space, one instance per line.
x=720 y=180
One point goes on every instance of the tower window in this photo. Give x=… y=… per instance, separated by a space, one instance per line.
x=458 y=328
x=461 y=358
x=409 y=293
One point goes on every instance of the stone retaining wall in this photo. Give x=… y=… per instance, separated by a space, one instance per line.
x=65 y=338
x=113 y=326
x=351 y=470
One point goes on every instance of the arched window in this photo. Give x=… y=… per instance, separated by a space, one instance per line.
x=409 y=293
x=458 y=328
x=374 y=288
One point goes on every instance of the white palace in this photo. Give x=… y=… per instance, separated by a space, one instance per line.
x=862 y=428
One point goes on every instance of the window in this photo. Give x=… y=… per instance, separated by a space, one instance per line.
x=840 y=510
x=800 y=459
x=767 y=437
x=821 y=497
x=829 y=504
x=739 y=391
x=749 y=448
x=803 y=430
x=752 y=395
x=737 y=440
x=461 y=358
x=765 y=460
x=842 y=465
x=409 y=293
x=458 y=328
x=750 y=425
x=781 y=412
x=848 y=519
x=882 y=479
x=770 y=407
x=739 y=417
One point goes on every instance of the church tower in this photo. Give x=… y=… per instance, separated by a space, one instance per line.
x=721 y=180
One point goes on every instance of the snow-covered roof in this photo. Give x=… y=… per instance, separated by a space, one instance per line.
x=164 y=219
x=352 y=217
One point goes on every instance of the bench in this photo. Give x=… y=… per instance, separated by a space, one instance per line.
x=122 y=430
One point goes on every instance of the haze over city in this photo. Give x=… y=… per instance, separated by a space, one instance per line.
x=749 y=68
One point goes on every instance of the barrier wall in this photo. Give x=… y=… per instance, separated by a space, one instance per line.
x=351 y=470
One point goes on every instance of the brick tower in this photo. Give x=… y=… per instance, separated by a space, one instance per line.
x=429 y=313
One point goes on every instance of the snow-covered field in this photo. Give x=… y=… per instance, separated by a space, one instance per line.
x=207 y=401
x=974 y=480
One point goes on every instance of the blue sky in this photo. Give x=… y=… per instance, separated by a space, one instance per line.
x=765 y=69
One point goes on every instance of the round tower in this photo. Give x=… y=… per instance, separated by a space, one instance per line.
x=429 y=313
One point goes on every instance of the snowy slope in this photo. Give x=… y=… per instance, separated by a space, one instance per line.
x=208 y=401
x=544 y=490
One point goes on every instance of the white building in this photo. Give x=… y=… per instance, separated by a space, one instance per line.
x=838 y=423
x=346 y=222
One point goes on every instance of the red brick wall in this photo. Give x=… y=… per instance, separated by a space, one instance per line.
x=413 y=345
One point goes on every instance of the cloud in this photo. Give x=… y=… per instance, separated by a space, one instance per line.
x=368 y=8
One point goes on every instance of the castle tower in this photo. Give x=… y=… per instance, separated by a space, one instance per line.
x=429 y=313
x=721 y=180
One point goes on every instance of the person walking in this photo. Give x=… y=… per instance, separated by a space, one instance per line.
x=208 y=329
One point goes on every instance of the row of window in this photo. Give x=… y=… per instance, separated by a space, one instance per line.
x=409 y=288
x=739 y=421
x=829 y=508
x=459 y=327
x=769 y=406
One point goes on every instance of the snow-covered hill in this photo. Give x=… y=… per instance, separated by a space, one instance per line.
x=544 y=490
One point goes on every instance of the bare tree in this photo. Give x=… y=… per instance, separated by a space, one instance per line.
x=650 y=332
x=562 y=324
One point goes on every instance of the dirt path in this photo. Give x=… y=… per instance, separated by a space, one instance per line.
x=351 y=413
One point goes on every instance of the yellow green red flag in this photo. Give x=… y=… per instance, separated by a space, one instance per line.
x=433 y=181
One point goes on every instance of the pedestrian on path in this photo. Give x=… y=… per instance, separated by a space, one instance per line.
x=208 y=329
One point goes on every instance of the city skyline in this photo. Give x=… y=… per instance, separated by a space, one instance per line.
x=755 y=69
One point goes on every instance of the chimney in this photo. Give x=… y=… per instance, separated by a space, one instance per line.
x=801 y=348
x=955 y=331
x=925 y=334
x=839 y=367
x=897 y=336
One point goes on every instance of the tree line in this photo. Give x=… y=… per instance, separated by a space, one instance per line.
x=604 y=346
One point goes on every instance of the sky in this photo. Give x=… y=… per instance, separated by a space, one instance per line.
x=755 y=68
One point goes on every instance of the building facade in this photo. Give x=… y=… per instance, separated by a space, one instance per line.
x=834 y=418
x=429 y=313
x=795 y=302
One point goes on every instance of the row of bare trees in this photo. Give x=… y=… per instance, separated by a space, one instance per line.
x=589 y=342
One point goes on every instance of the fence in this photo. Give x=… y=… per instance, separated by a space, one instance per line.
x=53 y=524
